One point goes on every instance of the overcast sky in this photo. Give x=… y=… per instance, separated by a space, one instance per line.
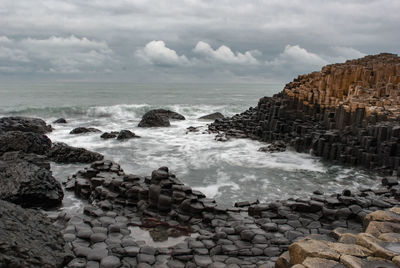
x=189 y=40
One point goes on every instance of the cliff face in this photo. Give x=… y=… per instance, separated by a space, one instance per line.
x=346 y=113
x=372 y=82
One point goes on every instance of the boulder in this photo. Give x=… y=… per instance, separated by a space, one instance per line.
x=63 y=153
x=213 y=116
x=27 y=142
x=159 y=118
x=24 y=124
x=274 y=147
x=60 y=121
x=169 y=114
x=29 y=185
x=126 y=134
x=81 y=130
x=153 y=119
x=28 y=239
x=109 y=135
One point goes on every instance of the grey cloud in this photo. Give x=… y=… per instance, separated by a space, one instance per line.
x=306 y=33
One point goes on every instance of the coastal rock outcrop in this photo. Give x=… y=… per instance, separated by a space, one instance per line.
x=24 y=124
x=28 y=239
x=27 y=142
x=159 y=118
x=29 y=185
x=63 y=153
x=213 y=116
x=81 y=130
x=60 y=121
x=126 y=135
x=346 y=113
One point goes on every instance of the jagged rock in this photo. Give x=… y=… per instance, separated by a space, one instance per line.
x=24 y=124
x=39 y=160
x=126 y=134
x=80 y=130
x=63 y=153
x=60 y=121
x=213 y=116
x=27 y=142
x=28 y=239
x=274 y=147
x=29 y=185
x=109 y=135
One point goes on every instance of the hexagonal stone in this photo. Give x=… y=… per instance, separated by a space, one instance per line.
x=110 y=262
x=98 y=237
x=132 y=251
x=114 y=228
x=92 y=264
x=97 y=254
x=82 y=251
x=148 y=250
x=150 y=259
x=202 y=261
x=69 y=237
x=84 y=233
x=77 y=263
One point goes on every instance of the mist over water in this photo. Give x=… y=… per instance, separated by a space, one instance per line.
x=227 y=171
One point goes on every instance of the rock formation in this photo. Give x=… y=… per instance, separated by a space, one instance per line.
x=25 y=124
x=346 y=113
x=28 y=239
x=159 y=118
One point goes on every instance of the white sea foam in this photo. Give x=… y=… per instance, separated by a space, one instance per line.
x=227 y=171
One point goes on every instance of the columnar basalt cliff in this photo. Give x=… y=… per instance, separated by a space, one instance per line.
x=347 y=112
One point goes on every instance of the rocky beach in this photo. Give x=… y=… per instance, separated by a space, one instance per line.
x=346 y=114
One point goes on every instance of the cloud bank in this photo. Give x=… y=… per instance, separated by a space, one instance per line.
x=141 y=40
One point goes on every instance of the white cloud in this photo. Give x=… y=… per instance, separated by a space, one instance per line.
x=55 y=54
x=156 y=52
x=224 y=54
x=297 y=55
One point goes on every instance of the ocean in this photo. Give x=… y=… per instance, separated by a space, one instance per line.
x=227 y=171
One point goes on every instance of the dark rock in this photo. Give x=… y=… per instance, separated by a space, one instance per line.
x=274 y=147
x=29 y=185
x=28 y=239
x=153 y=119
x=109 y=135
x=213 y=116
x=60 y=121
x=39 y=160
x=169 y=114
x=81 y=130
x=126 y=134
x=63 y=153
x=24 y=124
x=27 y=142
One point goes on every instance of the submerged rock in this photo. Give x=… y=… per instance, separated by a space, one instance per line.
x=24 y=124
x=28 y=239
x=80 y=130
x=27 y=142
x=213 y=116
x=63 y=153
x=109 y=135
x=126 y=134
x=60 y=121
x=29 y=185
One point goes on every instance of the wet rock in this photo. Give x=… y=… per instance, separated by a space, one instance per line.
x=60 y=121
x=110 y=262
x=109 y=135
x=126 y=134
x=27 y=142
x=81 y=130
x=29 y=185
x=24 y=124
x=274 y=147
x=39 y=160
x=28 y=239
x=63 y=153
x=169 y=114
x=153 y=119
x=213 y=116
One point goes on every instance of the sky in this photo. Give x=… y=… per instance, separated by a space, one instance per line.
x=189 y=40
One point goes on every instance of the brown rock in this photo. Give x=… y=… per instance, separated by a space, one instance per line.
x=283 y=260
x=376 y=228
x=302 y=249
x=319 y=263
x=382 y=215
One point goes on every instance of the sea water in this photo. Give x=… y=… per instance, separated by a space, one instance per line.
x=227 y=171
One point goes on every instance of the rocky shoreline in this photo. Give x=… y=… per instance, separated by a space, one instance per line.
x=335 y=113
